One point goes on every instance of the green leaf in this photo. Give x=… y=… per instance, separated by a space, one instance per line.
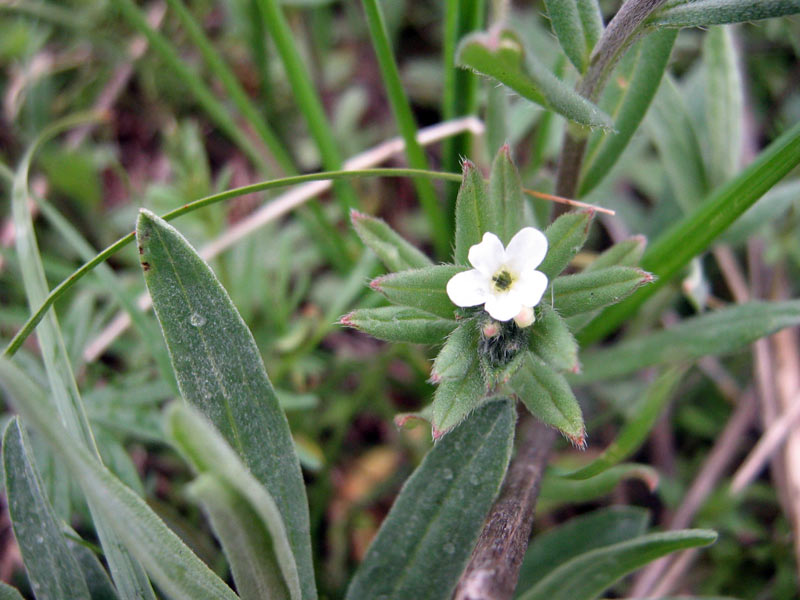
x=548 y=397
x=650 y=57
x=475 y=214
x=557 y=491
x=638 y=427
x=720 y=332
x=700 y=13
x=9 y=593
x=578 y=535
x=570 y=20
x=505 y=195
x=454 y=399
x=456 y=356
x=626 y=253
x=588 y=575
x=400 y=324
x=220 y=371
x=178 y=572
x=395 y=252
x=244 y=515
x=686 y=239
x=565 y=237
x=426 y=540
x=590 y=290
x=424 y=289
x=52 y=569
x=674 y=135
x=774 y=204
x=724 y=103
x=551 y=340
x=97 y=579
x=501 y=56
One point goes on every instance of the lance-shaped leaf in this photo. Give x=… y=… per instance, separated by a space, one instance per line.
x=565 y=237
x=588 y=575
x=505 y=195
x=400 y=324
x=551 y=340
x=52 y=569
x=9 y=593
x=724 y=100
x=454 y=399
x=395 y=252
x=626 y=253
x=578 y=25
x=243 y=513
x=547 y=395
x=475 y=213
x=636 y=430
x=700 y=13
x=720 y=332
x=220 y=371
x=456 y=356
x=578 y=535
x=590 y=290
x=499 y=54
x=426 y=540
x=557 y=490
x=178 y=571
x=631 y=101
x=420 y=288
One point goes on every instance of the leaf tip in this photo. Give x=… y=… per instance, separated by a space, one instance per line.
x=347 y=320
x=375 y=284
x=357 y=216
x=579 y=441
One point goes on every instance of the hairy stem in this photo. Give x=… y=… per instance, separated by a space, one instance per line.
x=493 y=569
x=624 y=28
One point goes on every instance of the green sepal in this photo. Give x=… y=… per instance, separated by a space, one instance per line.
x=475 y=214
x=500 y=54
x=457 y=354
x=547 y=395
x=565 y=237
x=400 y=324
x=420 y=288
x=588 y=291
x=505 y=195
x=551 y=340
x=454 y=399
x=394 y=251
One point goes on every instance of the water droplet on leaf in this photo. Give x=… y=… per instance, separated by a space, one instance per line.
x=447 y=474
x=197 y=320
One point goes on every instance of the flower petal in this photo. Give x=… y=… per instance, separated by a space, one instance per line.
x=468 y=288
x=487 y=257
x=530 y=287
x=503 y=307
x=526 y=250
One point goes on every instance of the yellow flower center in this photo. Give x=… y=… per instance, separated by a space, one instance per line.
x=502 y=280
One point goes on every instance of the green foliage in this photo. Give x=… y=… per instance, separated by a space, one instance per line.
x=500 y=54
x=505 y=196
x=51 y=567
x=400 y=324
x=220 y=371
x=565 y=236
x=551 y=340
x=396 y=253
x=427 y=538
x=590 y=290
x=699 y=13
x=420 y=288
x=588 y=575
x=475 y=213
x=578 y=24
x=244 y=515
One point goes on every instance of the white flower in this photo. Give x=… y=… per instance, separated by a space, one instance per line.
x=504 y=280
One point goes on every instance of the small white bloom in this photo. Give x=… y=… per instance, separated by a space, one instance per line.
x=504 y=280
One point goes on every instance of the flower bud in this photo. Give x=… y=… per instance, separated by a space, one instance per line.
x=490 y=329
x=525 y=317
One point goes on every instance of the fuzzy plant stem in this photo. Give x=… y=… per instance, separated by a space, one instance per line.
x=624 y=28
x=493 y=569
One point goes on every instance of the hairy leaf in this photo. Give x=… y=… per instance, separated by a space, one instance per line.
x=400 y=324
x=395 y=252
x=424 y=289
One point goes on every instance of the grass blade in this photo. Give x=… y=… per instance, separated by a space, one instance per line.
x=407 y=125
x=220 y=371
x=427 y=538
x=53 y=571
x=693 y=234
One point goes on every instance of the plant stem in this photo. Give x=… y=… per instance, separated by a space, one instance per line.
x=623 y=29
x=493 y=569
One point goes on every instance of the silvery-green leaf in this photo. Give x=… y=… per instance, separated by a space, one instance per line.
x=551 y=340
x=400 y=324
x=424 y=289
x=395 y=252
x=590 y=290
x=565 y=237
x=475 y=213
x=454 y=399
x=701 y=13
x=505 y=195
